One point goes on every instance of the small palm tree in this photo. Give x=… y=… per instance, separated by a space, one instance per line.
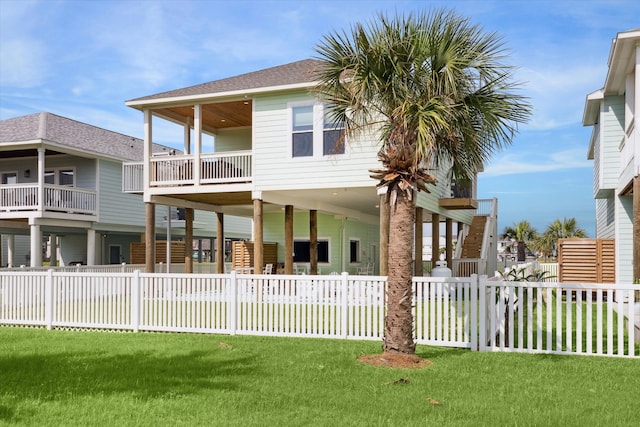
x=435 y=89
x=522 y=232
x=565 y=229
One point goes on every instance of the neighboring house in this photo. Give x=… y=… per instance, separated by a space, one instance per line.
x=615 y=150
x=278 y=159
x=61 y=194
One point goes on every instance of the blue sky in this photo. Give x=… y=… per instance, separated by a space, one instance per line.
x=82 y=59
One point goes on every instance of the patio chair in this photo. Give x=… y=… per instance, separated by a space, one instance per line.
x=299 y=269
x=268 y=269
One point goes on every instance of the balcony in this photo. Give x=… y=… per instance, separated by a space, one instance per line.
x=17 y=198
x=178 y=170
x=462 y=197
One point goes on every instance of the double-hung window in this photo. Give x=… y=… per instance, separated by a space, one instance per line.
x=314 y=132
x=302 y=135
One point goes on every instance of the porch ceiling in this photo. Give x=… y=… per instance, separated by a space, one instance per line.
x=220 y=199
x=220 y=115
x=361 y=203
x=10 y=154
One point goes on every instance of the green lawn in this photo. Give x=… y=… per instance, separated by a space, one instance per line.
x=119 y=379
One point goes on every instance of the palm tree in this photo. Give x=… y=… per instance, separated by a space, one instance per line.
x=434 y=88
x=522 y=233
x=565 y=229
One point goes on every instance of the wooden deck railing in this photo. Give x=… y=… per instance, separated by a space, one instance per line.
x=60 y=198
x=215 y=168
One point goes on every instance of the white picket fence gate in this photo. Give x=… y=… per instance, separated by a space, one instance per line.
x=468 y=312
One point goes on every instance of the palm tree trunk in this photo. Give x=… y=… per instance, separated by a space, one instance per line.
x=398 y=334
x=521 y=251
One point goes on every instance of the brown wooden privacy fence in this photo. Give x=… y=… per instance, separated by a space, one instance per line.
x=178 y=252
x=586 y=260
x=468 y=312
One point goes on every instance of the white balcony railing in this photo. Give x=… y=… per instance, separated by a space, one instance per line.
x=24 y=197
x=216 y=168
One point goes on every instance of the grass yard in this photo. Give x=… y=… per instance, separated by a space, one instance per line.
x=54 y=378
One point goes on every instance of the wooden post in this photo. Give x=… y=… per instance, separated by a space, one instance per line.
x=384 y=235
x=258 y=236
x=313 y=242
x=419 y=269
x=150 y=238
x=449 y=242
x=288 y=239
x=220 y=243
x=435 y=239
x=188 y=240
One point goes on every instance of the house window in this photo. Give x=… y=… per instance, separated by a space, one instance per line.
x=60 y=177
x=354 y=251
x=301 y=251
x=333 y=136
x=302 y=142
x=10 y=178
x=314 y=132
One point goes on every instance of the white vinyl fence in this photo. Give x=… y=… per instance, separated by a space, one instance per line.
x=469 y=312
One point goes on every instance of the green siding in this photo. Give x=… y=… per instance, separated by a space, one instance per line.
x=233 y=140
x=329 y=228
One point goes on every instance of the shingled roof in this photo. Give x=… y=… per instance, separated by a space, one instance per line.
x=71 y=133
x=288 y=74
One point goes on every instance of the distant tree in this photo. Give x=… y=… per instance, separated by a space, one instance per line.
x=522 y=232
x=565 y=229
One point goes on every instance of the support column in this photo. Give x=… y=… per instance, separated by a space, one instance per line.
x=419 y=269
x=435 y=239
x=384 y=235
x=220 y=242
x=11 y=250
x=91 y=246
x=188 y=240
x=168 y=243
x=288 y=239
x=53 y=247
x=41 y=166
x=148 y=170
x=449 y=242
x=197 y=146
x=258 y=237
x=313 y=242
x=36 y=246
x=636 y=226
x=150 y=238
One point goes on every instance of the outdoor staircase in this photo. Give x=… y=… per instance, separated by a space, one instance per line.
x=472 y=245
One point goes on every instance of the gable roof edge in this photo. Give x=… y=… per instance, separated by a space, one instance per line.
x=237 y=94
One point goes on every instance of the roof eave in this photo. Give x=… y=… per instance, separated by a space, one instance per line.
x=592 y=108
x=216 y=97
x=620 y=59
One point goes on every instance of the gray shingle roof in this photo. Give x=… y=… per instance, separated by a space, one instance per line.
x=77 y=135
x=287 y=74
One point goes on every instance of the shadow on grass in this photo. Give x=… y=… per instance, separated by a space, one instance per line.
x=435 y=353
x=142 y=375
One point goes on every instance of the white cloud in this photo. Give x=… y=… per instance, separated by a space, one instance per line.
x=22 y=63
x=512 y=164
